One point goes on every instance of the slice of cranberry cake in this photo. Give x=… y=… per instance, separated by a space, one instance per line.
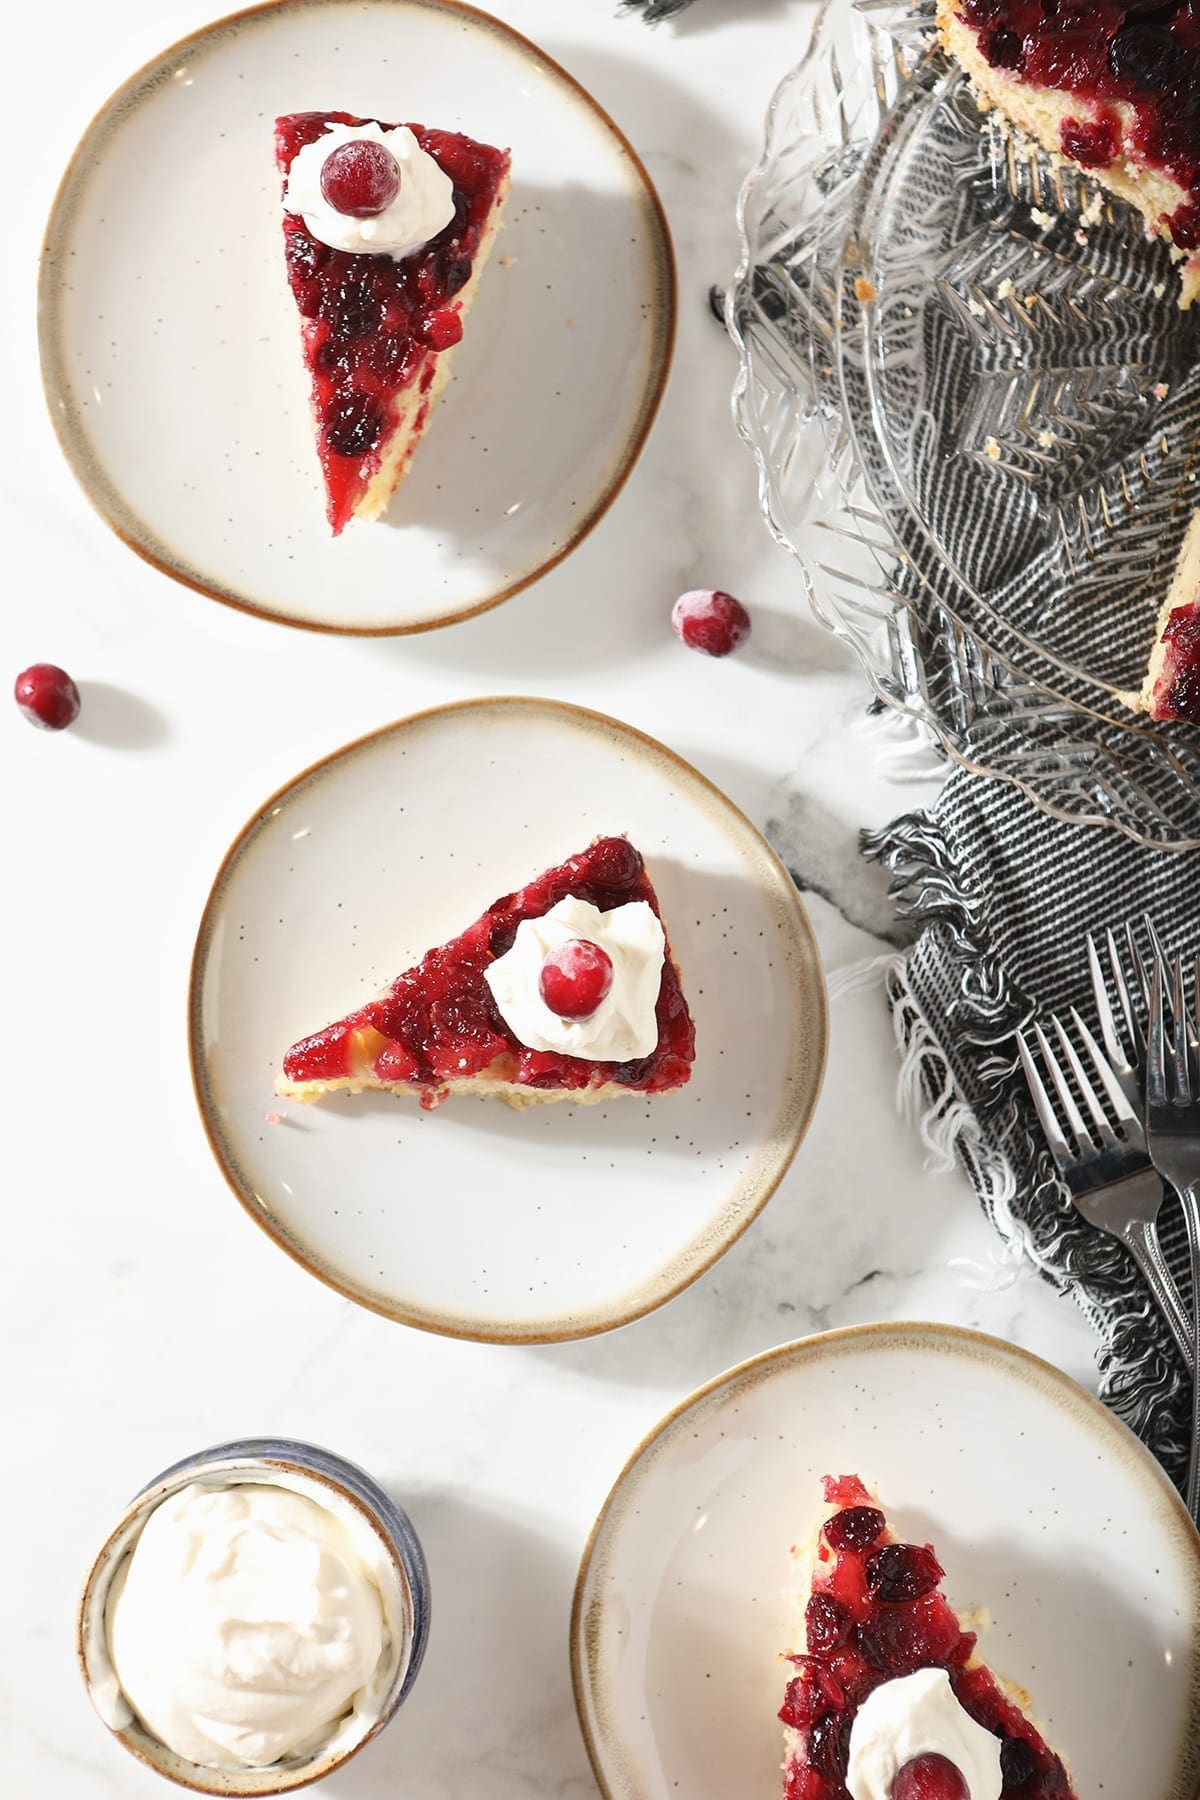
x=378 y=328
x=889 y=1684
x=564 y=990
x=1116 y=88
x=1171 y=689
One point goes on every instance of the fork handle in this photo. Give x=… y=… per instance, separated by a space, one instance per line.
x=1141 y=1240
x=1191 y=1218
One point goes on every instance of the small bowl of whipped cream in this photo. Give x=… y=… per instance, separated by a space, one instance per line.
x=255 y=1617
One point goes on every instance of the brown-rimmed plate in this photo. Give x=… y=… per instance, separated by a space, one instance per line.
x=476 y=1221
x=170 y=344
x=1042 y=1507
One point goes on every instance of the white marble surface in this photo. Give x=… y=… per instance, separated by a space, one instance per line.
x=143 y=1316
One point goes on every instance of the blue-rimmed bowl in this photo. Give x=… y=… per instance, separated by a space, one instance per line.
x=349 y=1493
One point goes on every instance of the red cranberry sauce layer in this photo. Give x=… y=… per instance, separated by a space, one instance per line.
x=373 y=326
x=1143 y=57
x=441 y=1022
x=1177 y=693
x=877 y=1612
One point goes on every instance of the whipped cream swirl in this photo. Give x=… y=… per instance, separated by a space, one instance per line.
x=625 y=1024
x=424 y=204
x=918 y=1715
x=246 y=1625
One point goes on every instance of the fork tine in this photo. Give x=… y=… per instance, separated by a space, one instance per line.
x=1156 y=943
x=1066 y=1098
x=1108 y=1024
x=1137 y=1036
x=1183 y=1079
x=1156 y=1073
x=1135 y=959
x=1090 y=1097
x=1043 y=1105
x=1117 y=1096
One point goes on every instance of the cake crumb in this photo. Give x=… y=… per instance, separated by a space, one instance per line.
x=1047 y=439
x=1160 y=390
x=1005 y=290
x=973 y=306
x=1094 y=210
x=865 y=290
x=273 y=1118
x=1159 y=289
x=508 y=262
x=1081 y=238
x=991 y=448
x=1044 y=219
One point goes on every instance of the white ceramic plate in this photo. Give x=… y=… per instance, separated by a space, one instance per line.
x=475 y=1220
x=170 y=343
x=1041 y=1506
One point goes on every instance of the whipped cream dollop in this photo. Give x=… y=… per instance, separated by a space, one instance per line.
x=913 y=1716
x=245 y=1625
x=624 y=1025
x=424 y=204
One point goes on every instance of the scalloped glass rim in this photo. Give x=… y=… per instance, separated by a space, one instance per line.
x=1067 y=748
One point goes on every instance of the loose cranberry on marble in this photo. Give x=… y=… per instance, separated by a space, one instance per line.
x=930 y=1777
x=47 y=696
x=575 y=978
x=360 y=178
x=709 y=620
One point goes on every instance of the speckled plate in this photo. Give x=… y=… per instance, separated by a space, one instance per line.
x=1043 y=1508
x=170 y=344
x=475 y=1220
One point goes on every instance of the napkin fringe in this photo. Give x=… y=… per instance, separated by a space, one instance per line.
x=1009 y=1167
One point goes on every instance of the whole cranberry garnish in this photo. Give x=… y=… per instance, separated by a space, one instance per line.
x=354 y=425
x=47 y=696
x=828 y=1621
x=360 y=179
x=575 y=978
x=614 y=864
x=930 y=1777
x=854 y=1528
x=903 y=1572
x=709 y=620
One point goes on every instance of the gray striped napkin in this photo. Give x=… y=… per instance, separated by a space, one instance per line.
x=1004 y=894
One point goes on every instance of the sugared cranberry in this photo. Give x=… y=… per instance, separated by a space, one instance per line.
x=1092 y=142
x=854 y=1528
x=709 y=620
x=47 y=696
x=1017 y=1764
x=903 y=1572
x=930 y=1777
x=360 y=179
x=575 y=978
x=442 y=329
x=354 y=425
x=828 y=1622
x=614 y=864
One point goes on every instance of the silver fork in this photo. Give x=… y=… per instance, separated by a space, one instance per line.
x=1111 y=1182
x=1173 y=1138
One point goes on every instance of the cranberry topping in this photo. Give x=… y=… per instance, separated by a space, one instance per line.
x=1179 y=686
x=575 y=978
x=903 y=1572
x=854 y=1528
x=829 y=1745
x=829 y=1622
x=614 y=865
x=930 y=1777
x=921 y=1634
x=812 y=1691
x=373 y=326
x=47 y=696
x=1143 y=55
x=360 y=179
x=439 y=1020
x=709 y=620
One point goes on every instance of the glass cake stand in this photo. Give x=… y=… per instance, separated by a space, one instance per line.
x=975 y=408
